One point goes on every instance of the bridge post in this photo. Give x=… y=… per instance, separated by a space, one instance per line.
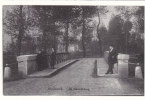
x=138 y=72
x=123 y=65
x=26 y=65
x=7 y=72
x=95 y=69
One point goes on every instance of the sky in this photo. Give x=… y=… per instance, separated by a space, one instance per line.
x=107 y=18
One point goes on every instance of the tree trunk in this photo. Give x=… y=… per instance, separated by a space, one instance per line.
x=21 y=32
x=127 y=44
x=100 y=42
x=67 y=32
x=44 y=40
x=55 y=43
x=13 y=44
x=83 y=36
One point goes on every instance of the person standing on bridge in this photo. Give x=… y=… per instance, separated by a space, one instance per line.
x=53 y=58
x=41 y=60
x=112 y=59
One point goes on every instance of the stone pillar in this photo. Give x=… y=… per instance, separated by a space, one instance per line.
x=106 y=54
x=26 y=65
x=123 y=65
x=138 y=72
x=7 y=73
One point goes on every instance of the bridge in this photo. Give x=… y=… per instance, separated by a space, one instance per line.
x=72 y=77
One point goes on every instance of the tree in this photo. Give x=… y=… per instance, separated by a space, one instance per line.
x=133 y=21
x=46 y=23
x=115 y=32
x=138 y=27
x=15 y=25
x=126 y=28
x=103 y=33
x=65 y=14
x=21 y=30
x=87 y=12
x=115 y=25
x=100 y=11
x=51 y=19
x=139 y=14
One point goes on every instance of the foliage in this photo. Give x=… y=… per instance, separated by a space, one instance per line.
x=51 y=26
x=115 y=25
x=133 y=25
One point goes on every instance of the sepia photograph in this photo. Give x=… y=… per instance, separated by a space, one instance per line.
x=73 y=50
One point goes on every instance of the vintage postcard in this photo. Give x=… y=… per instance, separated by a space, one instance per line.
x=72 y=49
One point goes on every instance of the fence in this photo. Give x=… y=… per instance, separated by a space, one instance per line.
x=60 y=57
x=11 y=60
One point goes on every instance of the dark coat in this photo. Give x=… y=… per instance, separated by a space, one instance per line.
x=112 y=58
x=41 y=61
x=53 y=58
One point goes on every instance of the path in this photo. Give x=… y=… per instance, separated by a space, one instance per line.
x=76 y=80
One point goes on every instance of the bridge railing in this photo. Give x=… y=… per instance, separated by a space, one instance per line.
x=60 y=57
x=26 y=64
